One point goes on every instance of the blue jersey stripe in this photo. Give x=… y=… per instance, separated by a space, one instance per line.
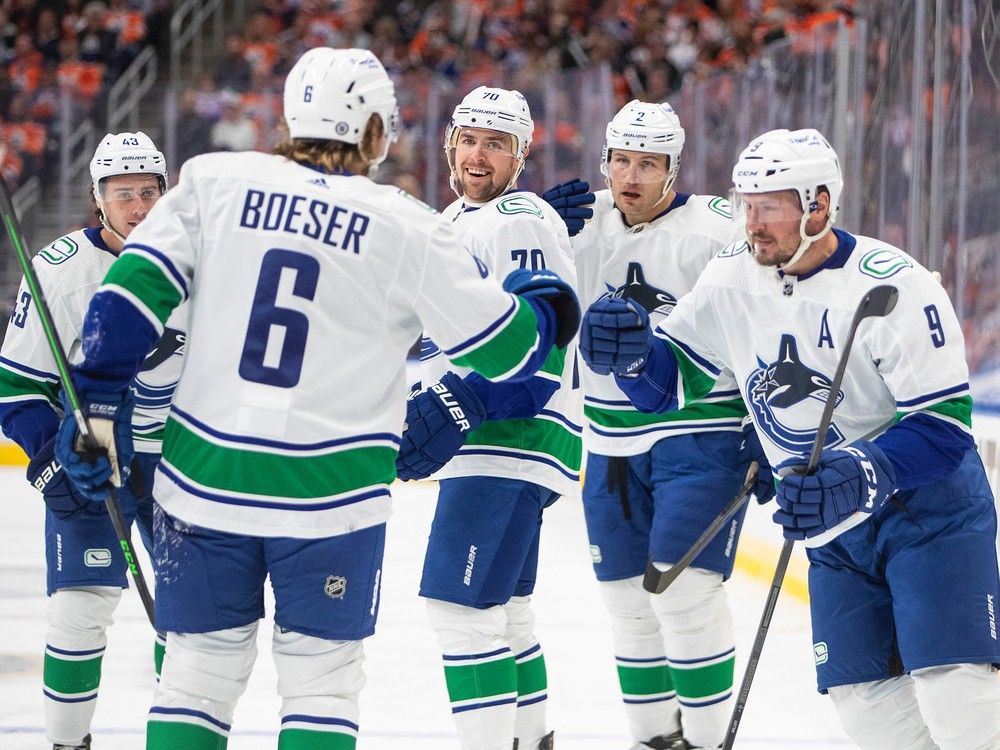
x=933 y=396
x=168 y=264
x=471 y=342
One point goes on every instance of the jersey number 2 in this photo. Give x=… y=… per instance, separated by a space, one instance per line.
x=276 y=336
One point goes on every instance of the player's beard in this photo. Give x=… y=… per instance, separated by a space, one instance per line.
x=481 y=191
x=778 y=255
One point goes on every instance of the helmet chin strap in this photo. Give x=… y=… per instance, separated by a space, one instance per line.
x=806 y=240
x=107 y=225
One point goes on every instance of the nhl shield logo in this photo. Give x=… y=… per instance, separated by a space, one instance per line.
x=336 y=587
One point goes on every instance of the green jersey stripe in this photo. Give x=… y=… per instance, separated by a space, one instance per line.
x=694 y=382
x=553 y=364
x=15 y=386
x=506 y=350
x=264 y=473
x=958 y=409
x=697 y=412
x=536 y=435
x=144 y=279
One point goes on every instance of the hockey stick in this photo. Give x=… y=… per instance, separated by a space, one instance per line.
x=656 y=581
x=90 y=445
x=878 y=303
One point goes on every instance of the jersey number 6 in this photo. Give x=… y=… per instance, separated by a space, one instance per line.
x=276 y=336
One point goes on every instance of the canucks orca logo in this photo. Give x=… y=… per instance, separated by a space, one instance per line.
x=157 y=395
x=170 y=343
x=776 y=390
x=636 y=287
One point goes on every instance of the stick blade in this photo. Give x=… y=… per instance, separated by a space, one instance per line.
x=880 y=301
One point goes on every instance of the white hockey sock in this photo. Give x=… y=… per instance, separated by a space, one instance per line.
x=74 y=649
x=961 y=705
x=480 y=673
x=643 y=674
x=532 y=679
x=882 y=714
x=698 y=632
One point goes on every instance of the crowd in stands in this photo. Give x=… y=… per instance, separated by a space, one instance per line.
x=55 y=53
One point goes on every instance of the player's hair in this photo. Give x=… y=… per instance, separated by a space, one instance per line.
x=335 y=156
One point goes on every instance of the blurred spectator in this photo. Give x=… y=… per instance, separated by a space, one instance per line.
x=233 y=70
x=47 y=35
x=81 y=78
x=25 y=67
x=96 y=43
x=8 y=33
x=234 y=131
x=209 y=98
x=194 y=130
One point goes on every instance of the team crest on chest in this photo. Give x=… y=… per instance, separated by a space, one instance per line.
x=637 y=288
x=787 y=397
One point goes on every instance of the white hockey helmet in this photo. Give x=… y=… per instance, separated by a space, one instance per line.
x=503 y=110
x=330 y=94
x=126 y=153
x=644 y=126
x=799 y=160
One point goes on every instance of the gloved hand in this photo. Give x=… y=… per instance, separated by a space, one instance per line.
x=47 y=476
x=110 y=418
x=751 y=450
x=572 y=201
x=615 y=336
x=438 y=420
x=857 y=477
x=557 y=293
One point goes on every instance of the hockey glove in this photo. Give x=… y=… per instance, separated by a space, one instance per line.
x=855 y=478
x=547 y=286
x=47 y=476
x=437 y=422
x=751 y=450
x=572 y=201
x=615 y=336
x=110 y=419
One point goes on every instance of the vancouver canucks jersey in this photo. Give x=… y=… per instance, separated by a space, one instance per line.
x=69 y=271
x=784 y=335
x=518 y=230
x=306 y=291
x=654 y=264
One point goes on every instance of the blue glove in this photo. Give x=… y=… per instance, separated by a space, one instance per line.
x=572 y=201
x=751 y=450
x=47 y=476
x=437 y=422
x=110 y=417
x=615 y=336
x=559 y=295
x=857 y=477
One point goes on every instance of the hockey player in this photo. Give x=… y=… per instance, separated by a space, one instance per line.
x=896 y=527
x=282 y=438
x=479 y=571
x=654 y=483
x=85 y=566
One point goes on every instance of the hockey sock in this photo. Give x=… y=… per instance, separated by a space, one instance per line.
x=71 y=674
x=698 y=632
x=480 y=673
x=168 y=729
x=159 y=649
x=319 y=681
x=643 y=673
x=532 y=679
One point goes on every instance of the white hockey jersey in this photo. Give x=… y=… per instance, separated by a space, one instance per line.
x=518 y=230
x=69 y=272
x=783 y=337
x=654 y=264
x=307 y=289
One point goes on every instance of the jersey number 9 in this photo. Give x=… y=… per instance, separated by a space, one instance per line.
x=276 y=336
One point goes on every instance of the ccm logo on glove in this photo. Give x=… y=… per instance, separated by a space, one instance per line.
x=870 y=476
x=454 y=410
